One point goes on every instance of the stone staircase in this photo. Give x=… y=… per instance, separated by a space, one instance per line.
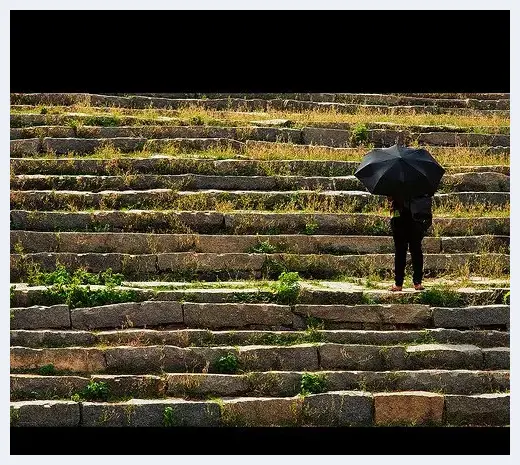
x=204 y=208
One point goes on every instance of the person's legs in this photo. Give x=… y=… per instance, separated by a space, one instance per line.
x=416 y=238
x=401 y=247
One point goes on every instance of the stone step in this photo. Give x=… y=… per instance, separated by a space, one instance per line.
x=29 y=147
x=26 y=124
x=309 y=137
x=319 y=292
x=244 y=222
x=257 y=316
x=343 y=153
x=139 y=243
x=211 y=199
x=301 y=357
x=335 y=408
x=159 y=132
x=203 y=337
x=25 y=117
x=233 y=266
x=168 y=165
x=462 y=182
x=474 y=95
x=258 y=384
x=498 y=100
x=239 y=104
x=320 y=135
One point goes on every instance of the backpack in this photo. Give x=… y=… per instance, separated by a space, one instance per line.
x=421 y=210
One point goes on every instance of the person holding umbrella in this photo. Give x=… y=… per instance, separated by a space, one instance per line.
x=409 y=177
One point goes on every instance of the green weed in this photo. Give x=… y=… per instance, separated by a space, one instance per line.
x=227 y=364
x=47 y=370
x=313 y=383
x=287 y=288
x=168 y=417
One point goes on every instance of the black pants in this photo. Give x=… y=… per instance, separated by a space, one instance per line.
x=406 y=233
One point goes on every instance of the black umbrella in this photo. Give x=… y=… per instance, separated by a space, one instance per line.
x=400 y=170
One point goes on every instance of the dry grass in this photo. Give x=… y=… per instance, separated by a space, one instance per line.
x=454 y=157
x=199 y=115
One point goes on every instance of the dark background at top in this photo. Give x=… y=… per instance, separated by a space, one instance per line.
x=263 y=51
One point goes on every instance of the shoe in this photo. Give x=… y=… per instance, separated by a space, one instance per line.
x=395 y=288
x=418 y=287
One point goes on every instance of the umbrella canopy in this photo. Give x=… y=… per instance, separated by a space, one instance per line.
x=400 y=170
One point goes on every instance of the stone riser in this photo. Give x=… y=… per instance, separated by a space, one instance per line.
x=240 y=223
x=70 y=124
x=200 y=337
x=311 y=137
x=201 y=166
x=341 y=408
x=463 y=182
x=139 y=243
x=304 y=357
x=354 y=201
x=23 y=296
x=242 y=104
x=258 y=384
x=473 y=100
x=236 y=266
x=51 y=136
x=258 y=316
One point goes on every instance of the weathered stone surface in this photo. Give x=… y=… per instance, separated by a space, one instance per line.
x=489 y=338
x=33 y=241
x=342 y=408
x=496 y=358
x=482 y=181
x=179 y=338
x=363 y=244
x=471 y=198
x=262 y=412
x=475 y=244
x=86 y=146
x=274 y=383
x=84 y=360
x=41 y=131
x=138 y=243
x=209 y=262
x=55 y=316
x=329 y=137
x=446 y=381
x=450 y=138
x=45 y=413
x=408 y=408
x=143 y=386
x=215 y=316
x=45 y=387
x=129 y=314
x=202 y=384
x=350 y=357
x=302 y=357
x=444 y=356
x=240 y=223
x=150 y=359
x=413 y=314
x=478 y=410
x=193 y=144
x=104 y=242
x=469 y=317
x=49 y=338
x=225 y=244
x=150 y=412
x=23 y=147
